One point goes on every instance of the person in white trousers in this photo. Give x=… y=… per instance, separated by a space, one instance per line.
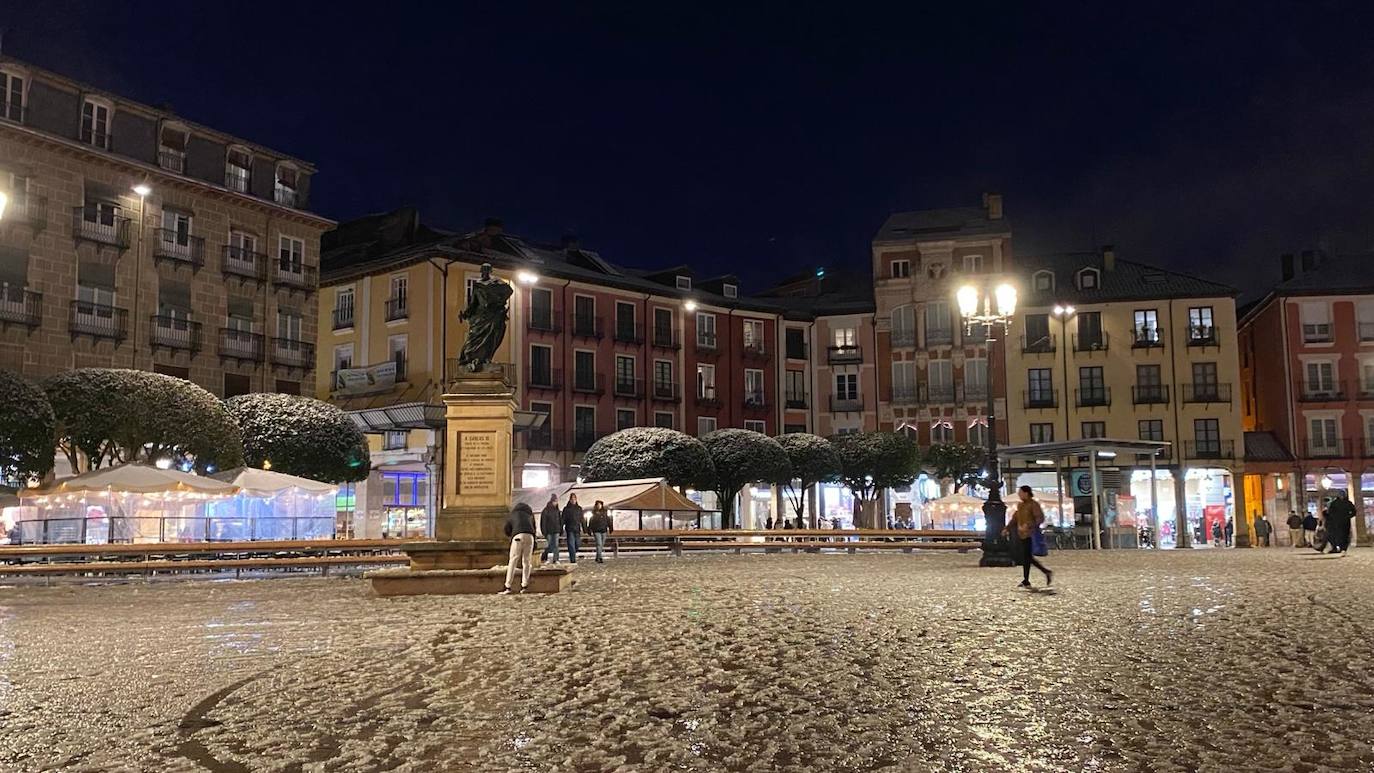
x=520 y=529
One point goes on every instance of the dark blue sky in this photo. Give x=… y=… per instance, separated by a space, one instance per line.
x=763 y=140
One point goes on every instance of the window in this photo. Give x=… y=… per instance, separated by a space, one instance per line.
x=846 y=337
x=1042 y=433
x=663 y=327
x=584 y=315
x=706 y=381
x=1146 y=328
x=941 y=432
x=939 y=327
x=753 y=387
x=796 y=343
x=1148 y=385
x=978 y=434
x=175 y=234
x=940 y=381
x=753 y=335
x=1094 y=429
x=396 y=348
x=625 y=418
x=796 y=389
x=243 y=248
x=1366 y=378
x=395 y=439
x=1316 y=321
x=1207 y=436
x=729 y=290
x=754 y=425
x=1039 y=388
x=11 y=96
x=793 y=428
x=847 y=386
x=976 y=379
x=1038 y=334
x=238 y=169
x=584 y=427
x=1321 y=379
x=625 y=375
x=1043 y=281
x=706 y=330
x=684 y=282
x=1089 y=279
x=1205 y=385
x=904 y=326
x=1150 y=429
x=285 y=189
x=290 y=254
x=664 y=386
x=903 y=381
x=1200 y=329
x=400 y=296
x=343 y=357
x=343 y=308
x=663 y=419
x=95 y=124
x=705 y=425
x=171 y=151
x=236 y=384
x=901 y=269
x=1092 y=389
x=1090 y=336
x=584 y=371
x=973 y=264
x=541 y=365
x=541 y=437
x=625 y=321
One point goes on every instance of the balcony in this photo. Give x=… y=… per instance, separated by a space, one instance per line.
x=586 y=327
x=905 y=394
x=1206 y=393
x=243 y=263
x=545 y=379
x=1209 y=449
x=632 y=388
x=544 y=439
x=98 y=321
x=1320 y=392
x=99 y=139
x=903 y=338
x=1146 y=337
x=1090 y=342
x=589 y=383
x=179 y=249
x=1045 y=344
x=1317 y=333
x=174 y=333
x=286 y=195
x=665 y=338
x=666 y=391
x=938 y=394
x=1332 y=449
x=294 y=353
x=241 y=345
x=1202 y=335
x=795 y=401
x=20 y=306
x=1163 y=456
x=846 y=404
x=754 y=350
x=974 y=394
x=1365 y=331
x=1037 y=399
x=1150 y=394
x=939 y=337
x=28 y=209
x=706 y=397
x=101 y=226
x=1096 y=397
x=544 y=320
x=844 y=355
x=756 y=401
x=397 y=309
x=706 y=342
x=236 y=178
x=796 y=351
x=628 y=333
x=343 y=318
x=172 y=160
x=294 y=276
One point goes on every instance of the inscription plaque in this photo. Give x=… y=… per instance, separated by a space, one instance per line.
x=477 y=463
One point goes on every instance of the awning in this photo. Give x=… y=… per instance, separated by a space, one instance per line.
x=1064 y=449
x=416 y=407
x=136 y=479
x=266 y=483
x=637 y=494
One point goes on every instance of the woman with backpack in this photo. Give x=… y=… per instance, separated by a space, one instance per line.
x=1027 y=520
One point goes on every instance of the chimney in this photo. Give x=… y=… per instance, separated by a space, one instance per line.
x=493 y=227
x=1108 y=257
x=570 y=242
x=1309 y=260
x=1286 y=265
x=992 y=202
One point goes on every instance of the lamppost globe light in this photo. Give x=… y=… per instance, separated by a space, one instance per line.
x=1058 y=310
x=3 y=201
x=690 y=305
x=527 y=277
x=968 y=300
x=1006 y=299
x=142 y=189
x=1068 y=309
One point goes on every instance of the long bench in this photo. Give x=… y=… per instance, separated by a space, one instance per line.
x=237 y=565
x=676 y=541
x=817 y=547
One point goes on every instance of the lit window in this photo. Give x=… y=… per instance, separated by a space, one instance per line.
x=238 y=169
x=1088 y=279
x=285 y=190
x=11 y=95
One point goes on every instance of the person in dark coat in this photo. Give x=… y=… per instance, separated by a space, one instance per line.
x=520 y=529
x=551 y=524
x=600 y=525
x=1339 y=515
x=572 y=526
x=1309 y=530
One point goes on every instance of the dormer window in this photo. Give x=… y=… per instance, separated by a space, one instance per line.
x=1043 y=281
x=171 y=151
x=12 y=84
x=729 y=291
x=285 y=190
x=1089 y=279
x=238 y=169
x=95 y=123
x=684 y=282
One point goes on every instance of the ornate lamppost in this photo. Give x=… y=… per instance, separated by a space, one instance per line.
x=991 y=307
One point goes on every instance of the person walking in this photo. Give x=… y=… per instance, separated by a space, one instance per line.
x=1309 y=530
x=1027 y=520
x=1230 y=531
x=600 y=526
x=520 y=529
x=572 y=526
x=551 y=524
x=1262 y=530
x=1339 y=515
x=1295 y=535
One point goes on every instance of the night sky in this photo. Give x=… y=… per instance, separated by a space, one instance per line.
x=764 y=141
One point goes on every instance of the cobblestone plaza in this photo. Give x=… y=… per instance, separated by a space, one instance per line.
x=1168 y=661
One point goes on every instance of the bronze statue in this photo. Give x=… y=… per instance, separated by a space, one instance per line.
x=486 y=317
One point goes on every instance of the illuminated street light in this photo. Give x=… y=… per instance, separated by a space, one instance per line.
x=142 y=189
x=690 y=305
x=3 y=201
x=526 y=277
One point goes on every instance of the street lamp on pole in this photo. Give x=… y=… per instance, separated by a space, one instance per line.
x=991 y=307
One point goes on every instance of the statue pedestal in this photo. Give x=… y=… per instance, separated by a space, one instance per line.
x=470 y=547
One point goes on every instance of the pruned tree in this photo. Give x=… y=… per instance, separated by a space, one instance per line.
x=301 y=436
x=742 y=457
x=960 y=463
x=873 y=461
x=108 y=416
x=28 y=429
x=813 y=460
x=649 y=452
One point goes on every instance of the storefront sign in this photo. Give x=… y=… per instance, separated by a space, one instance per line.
x=365 y=381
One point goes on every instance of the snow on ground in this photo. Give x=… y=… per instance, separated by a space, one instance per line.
x=1173 y=661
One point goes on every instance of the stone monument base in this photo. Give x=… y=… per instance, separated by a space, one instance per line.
x=459 y=554
x=451 y=582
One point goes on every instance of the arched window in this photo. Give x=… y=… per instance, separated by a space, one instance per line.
x=1089 y=279
x=1043 y=281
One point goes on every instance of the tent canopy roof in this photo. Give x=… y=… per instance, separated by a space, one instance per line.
x=137 y=479
x=256 y=482
x=637 y=494
x=1068 y=448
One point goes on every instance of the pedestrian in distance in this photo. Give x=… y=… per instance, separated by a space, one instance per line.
x=572 y=526
x=1339 y=515
x=1027 y=520
x=1230 y=531
x=1309 y=530
x=1262 y=530
x=1322 y=538
x=768 y=524
x=1216 y=534
x=1295 y=536
x=520 y=529
x=551 y=524
x=600 y=526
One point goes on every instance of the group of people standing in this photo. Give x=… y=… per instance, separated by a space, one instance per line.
x=1329 y=532
x=567 y=522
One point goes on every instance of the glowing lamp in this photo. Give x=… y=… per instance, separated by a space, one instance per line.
x=1006 y=299
x=142 y=189
x=968 y=300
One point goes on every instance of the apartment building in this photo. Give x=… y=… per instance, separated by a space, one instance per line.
x=132 y=237
x=1307 y=365
x=933 y=377
x=1113 y=348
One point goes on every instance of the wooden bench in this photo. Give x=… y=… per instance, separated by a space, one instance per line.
x=850 y=547
x=322 y=563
